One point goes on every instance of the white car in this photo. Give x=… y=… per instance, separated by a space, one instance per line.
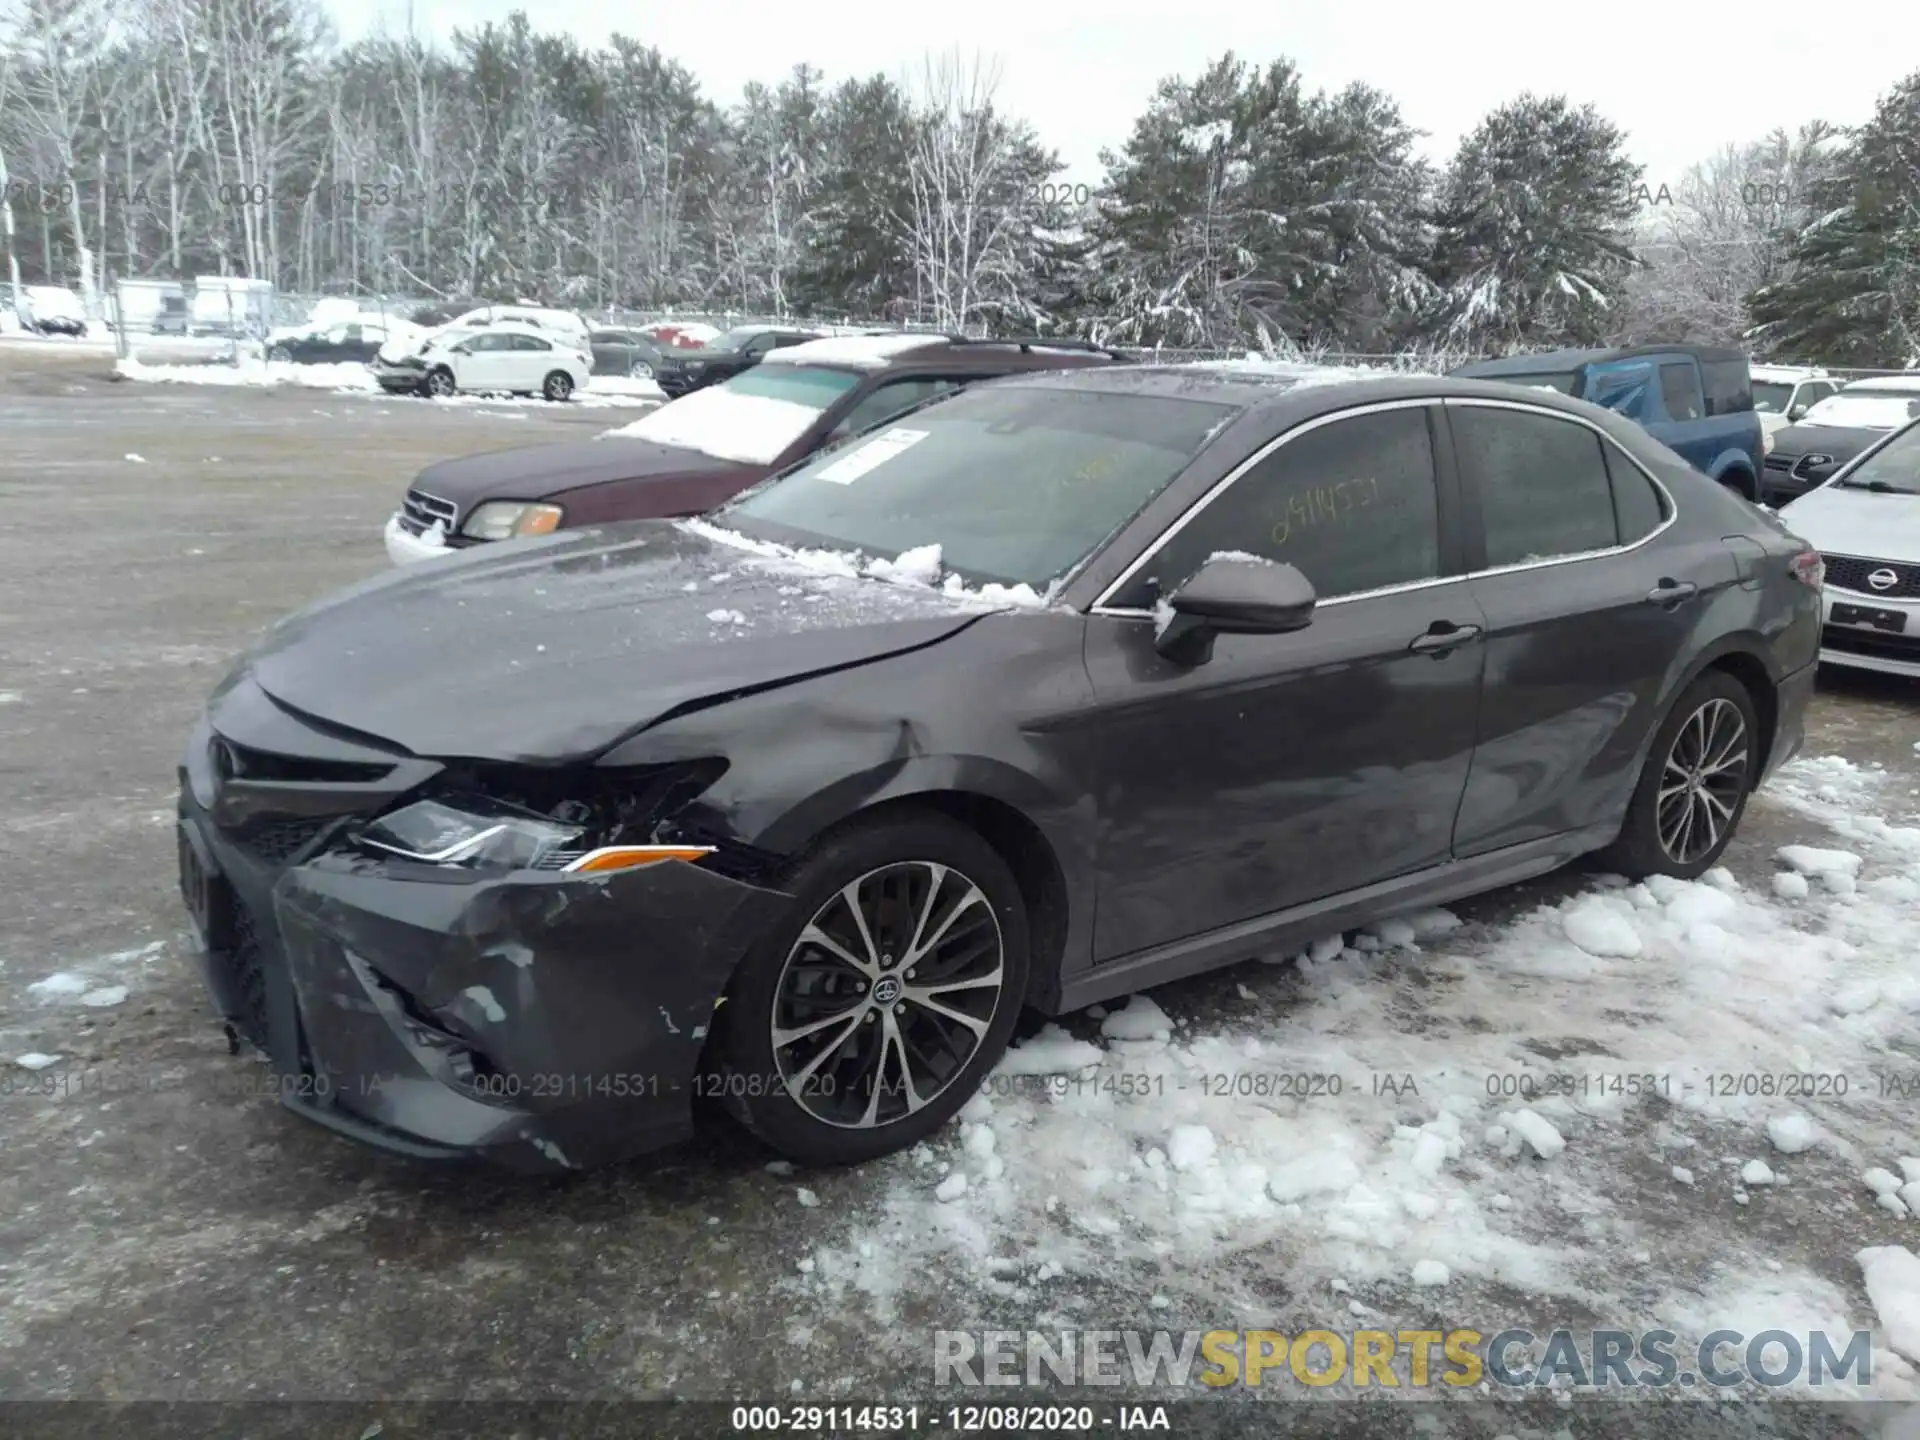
x=517 y=359
x=1865 y=522
x=561 y=322
x=1783 y=393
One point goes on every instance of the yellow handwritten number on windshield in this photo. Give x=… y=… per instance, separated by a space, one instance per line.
x=1324 y=505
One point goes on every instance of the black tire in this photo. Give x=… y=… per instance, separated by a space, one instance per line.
x=894 y=864
x=1675 y=761
x=440 y=383
x=1742 y=485
x=557 y=386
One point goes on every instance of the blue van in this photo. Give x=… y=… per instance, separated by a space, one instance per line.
x=1695 y=399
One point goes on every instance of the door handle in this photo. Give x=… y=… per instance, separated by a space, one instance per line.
x=1671 y=592
x=1443 y=637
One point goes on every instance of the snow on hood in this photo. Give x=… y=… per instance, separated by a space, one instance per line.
x=1839 y=520
x=748 y=429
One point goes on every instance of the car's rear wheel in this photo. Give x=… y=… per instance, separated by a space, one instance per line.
x=869 y=1017
x=440 y=383
x=1694 y=789
x=558 y=386
x=280 y=355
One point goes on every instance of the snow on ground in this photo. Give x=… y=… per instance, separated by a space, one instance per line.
x=352 y=378
x=18 y=339
x=1436 y=1105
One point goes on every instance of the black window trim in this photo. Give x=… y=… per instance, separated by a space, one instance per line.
x=1470 y=493
x=1446 y=505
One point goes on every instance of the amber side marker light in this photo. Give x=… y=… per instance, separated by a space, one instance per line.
x=629 y=857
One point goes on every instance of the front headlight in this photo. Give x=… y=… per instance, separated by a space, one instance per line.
x=475 y=835
x=507 y=519
x=484 y=836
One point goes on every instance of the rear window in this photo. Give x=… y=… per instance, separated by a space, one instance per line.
x=1730 y=387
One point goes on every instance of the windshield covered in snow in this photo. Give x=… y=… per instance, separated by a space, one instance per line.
x=1771 y=396
x=1894 y=466
x=1016 y=486
x=751 y=418
x=1866 y=409
x=733 y=339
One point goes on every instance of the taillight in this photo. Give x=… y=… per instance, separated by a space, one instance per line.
x=1809 y=569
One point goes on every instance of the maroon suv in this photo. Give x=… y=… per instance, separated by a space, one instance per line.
x=690 y=455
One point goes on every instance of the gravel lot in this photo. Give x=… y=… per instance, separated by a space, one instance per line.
x=178 y=1240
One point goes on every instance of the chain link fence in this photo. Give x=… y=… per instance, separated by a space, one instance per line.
x=226 y=320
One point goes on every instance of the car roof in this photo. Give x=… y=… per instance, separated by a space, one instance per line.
x=1787 y=372
x=1567 y=360
x=1884 y=384
x=883 y=350
x=1287 y=392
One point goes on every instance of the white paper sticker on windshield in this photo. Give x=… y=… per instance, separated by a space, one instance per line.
x=874 y=453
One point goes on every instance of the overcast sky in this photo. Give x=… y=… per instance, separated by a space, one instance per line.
x=1080 y=70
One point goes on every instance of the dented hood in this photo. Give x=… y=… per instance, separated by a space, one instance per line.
x=543 y=651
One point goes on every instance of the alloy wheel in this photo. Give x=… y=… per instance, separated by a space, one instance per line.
x=558 y=387
x=440 y=383
x=887 y=994
x=1704 y=777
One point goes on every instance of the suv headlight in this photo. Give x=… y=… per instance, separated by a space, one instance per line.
x=506 y=519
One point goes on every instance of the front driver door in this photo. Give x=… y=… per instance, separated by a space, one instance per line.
x=1288 y=768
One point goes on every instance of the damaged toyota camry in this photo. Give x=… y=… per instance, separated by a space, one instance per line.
x=1061 y=687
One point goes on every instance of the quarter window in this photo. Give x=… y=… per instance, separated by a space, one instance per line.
x=1543 y=483
x=1637 y=506
x=1352 y=504
x=1729 y=386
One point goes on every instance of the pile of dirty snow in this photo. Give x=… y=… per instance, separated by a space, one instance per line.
x=1386 y=1113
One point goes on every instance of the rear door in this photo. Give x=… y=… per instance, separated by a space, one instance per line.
x=1287 y=768
x=529 y=359
x=1589 y=610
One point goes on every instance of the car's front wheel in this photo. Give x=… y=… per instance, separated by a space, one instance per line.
x=558 y=386
x=1694 y=788
x=280 y=355
x=870 y=1016
x=440 y=383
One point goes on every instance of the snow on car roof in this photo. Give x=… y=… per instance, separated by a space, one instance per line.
x=1786 y=372
x=1883 y=384
x=1299 y=372
x=866 y=352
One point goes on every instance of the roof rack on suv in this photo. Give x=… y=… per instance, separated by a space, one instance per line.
x=1029 y=343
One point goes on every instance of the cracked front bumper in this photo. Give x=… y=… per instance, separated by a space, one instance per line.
x=541 y=1021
